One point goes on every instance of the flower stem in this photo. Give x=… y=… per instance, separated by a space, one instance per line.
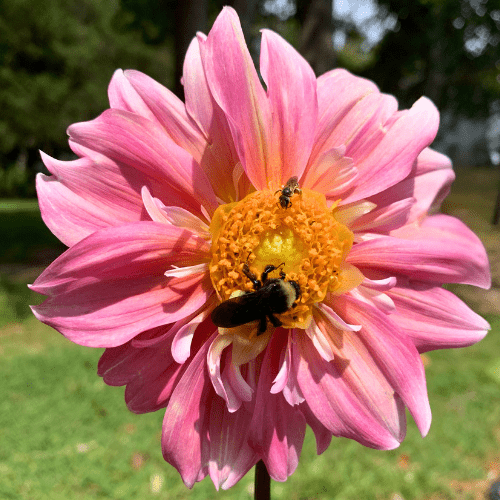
x=262 y=482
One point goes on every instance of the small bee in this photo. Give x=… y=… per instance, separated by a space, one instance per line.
x=289 y=189
x=271 y=296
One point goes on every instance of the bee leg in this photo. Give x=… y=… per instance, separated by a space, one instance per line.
x=274 y=320
x=262 y=326
x=251 y=276
x=269 y=269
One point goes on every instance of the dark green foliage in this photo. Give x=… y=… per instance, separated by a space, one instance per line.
x=447 y=50
x=56 y=60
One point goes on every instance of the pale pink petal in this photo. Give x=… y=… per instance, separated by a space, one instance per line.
x=173 y=215
x=291 y=89
x=136 y=142
x=339 y=408
x=320 y=341
x=183 y=334
x=169 y=112
x=382 y=285
x=375 y=298
x=232 y=376
x=347 y=214
x=182 y=272
x=441 y=250
x=217 y=347
x=110 y=286
x=231 y=457
x=277 y=429
x=394 y=354
x=185 y=442
x=153 y=207
x=434 y=318
x=286 y=381
x=333 y=174
x=386 y=218
x=235 y=86
x=183 y=218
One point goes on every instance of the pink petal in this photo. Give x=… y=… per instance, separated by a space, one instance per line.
x=357 y=366
x=388 y=156
x=168 y=111
x=394 y=354
x=122 y=95
x=291 y=89
x=235 y=86
x=335 y=403
x=277 y=429
x=435 y=318
x=136 y=142
x=231 y=457
x=220 y=158
x=84 y=196
x=185 y=442
x=428 y=184
x=110 y=287
x=118 y=365
x=199 y=101
x=321 y=433
x=441 y=250
x=154 y=380
x=348 y=91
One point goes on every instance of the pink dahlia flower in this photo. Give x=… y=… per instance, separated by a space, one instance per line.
x=169 y=203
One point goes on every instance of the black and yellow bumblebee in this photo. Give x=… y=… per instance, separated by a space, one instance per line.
x=271 y=296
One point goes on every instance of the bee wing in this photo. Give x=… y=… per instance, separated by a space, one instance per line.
x=237 y=311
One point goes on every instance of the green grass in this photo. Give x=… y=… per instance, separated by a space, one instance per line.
x=64 y=434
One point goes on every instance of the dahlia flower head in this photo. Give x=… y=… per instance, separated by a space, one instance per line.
x=168 y=202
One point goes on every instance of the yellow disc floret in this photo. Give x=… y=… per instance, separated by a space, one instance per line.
x=257 y=231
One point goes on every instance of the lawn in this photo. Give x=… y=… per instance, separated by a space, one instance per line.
x=64 y=434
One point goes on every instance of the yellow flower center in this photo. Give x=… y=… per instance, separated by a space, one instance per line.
x=306 y=237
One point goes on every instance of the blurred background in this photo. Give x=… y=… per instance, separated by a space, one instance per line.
x=63 y=433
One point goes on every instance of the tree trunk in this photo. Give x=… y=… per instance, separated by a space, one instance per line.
x=316 y=43
x=190 y=16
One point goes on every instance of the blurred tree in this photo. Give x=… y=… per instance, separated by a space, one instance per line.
x=316 y=43
x=56 y=60
x=444 y=49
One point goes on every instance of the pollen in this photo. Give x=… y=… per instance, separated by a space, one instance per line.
x=305 y=237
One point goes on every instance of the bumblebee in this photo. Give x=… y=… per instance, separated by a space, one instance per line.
x=288 y=190
x=271 y=296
